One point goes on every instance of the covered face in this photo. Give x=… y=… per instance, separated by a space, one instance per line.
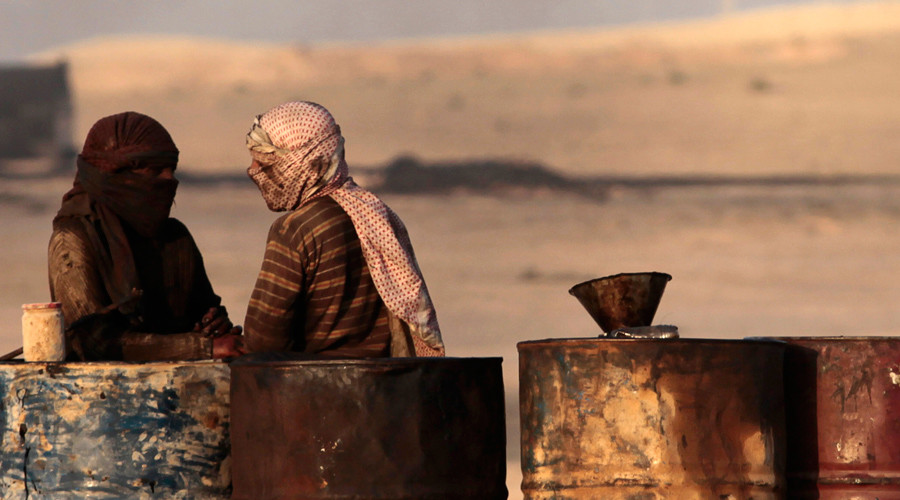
x=126 y=165
x=298 y=154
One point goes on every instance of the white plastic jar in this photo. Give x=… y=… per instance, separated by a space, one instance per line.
x=43 y=332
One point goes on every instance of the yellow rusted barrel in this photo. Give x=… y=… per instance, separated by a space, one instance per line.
x=114 y=430
x=652 y=419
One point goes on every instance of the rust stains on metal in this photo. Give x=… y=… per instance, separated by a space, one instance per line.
x=622 y=300
x=368 y=429
x=650 y=419
x=843 y=417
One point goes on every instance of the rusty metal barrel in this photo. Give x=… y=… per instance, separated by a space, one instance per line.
x=652 y=419
x=396 y=428
x=114 y=430
x=843 y=417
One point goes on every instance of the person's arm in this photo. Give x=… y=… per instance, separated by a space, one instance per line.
x=203 y=303
x=109 y=339
x=75 y=281
x=272 y=309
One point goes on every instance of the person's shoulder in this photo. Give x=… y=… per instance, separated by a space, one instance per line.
x=313 y=214
x=69 y=242
x=174 y=231
x=310 y=220
x=68 y=225
x=68 y=231
x=174 y=226
x=324 y=206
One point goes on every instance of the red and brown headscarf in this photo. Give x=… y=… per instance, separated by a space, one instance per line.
x=114 y=147
x=299 y=153
x=107 y=192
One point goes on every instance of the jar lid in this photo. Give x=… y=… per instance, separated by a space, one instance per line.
x=44 y=305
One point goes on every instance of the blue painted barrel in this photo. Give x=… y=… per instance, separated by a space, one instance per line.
x=115 y=430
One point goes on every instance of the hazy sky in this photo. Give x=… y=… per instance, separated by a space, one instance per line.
x=27 y=27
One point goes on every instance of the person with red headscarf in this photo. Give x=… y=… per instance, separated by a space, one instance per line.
x=339 y=277
x=130 y=279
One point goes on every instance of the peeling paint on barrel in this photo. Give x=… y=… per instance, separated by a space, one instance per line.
x=651 y=419
x=114 y=430
x=843 y=417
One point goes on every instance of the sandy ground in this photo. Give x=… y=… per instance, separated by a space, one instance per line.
x=658 y=116
x=746 y=260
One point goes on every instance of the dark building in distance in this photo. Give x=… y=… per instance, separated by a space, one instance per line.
x=35 y=118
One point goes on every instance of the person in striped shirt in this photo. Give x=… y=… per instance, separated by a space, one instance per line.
x=339 y=277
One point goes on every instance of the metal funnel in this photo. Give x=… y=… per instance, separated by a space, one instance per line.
x=622 y=300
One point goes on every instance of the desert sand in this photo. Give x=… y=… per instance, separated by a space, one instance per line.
x=753 y=157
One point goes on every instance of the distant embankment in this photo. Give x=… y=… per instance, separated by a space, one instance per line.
x=410 y=176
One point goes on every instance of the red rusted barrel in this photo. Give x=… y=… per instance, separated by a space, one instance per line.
x=399 y=428
x=843 y=417
x=652 y=419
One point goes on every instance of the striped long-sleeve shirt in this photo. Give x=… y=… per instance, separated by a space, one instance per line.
x=314 y=293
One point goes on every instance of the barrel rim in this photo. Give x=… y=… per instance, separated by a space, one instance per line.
x=828 y=338
x=363 y=362
x=681 y=341
x=113 y=364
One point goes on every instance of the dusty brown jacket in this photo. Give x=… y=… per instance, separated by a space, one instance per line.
x=175 y=293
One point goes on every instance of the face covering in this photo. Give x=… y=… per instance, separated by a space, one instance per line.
x=140 y=201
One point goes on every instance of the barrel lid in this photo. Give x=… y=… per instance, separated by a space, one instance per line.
x=829 y=339
x=273 y=359
x=42 y=305
x=604 y=340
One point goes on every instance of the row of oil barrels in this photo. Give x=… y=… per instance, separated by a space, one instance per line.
x=274 y=426
x=787 y=418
